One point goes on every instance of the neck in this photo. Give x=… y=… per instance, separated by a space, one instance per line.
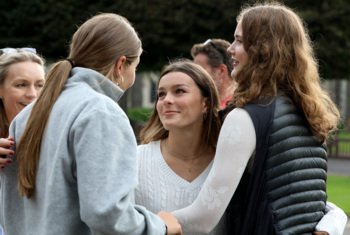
x=227 y=90
x=183 y=149
x=185 y=158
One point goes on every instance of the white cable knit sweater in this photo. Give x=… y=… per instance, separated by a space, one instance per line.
x=160 y=188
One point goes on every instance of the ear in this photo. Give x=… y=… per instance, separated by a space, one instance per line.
x=205 y=104
x=223 y=69
x=119 y=65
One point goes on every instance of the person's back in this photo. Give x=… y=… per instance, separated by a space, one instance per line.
x=63 y=155
x=283 y=189
x=75 y=166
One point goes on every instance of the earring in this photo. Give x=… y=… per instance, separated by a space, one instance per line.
x=119 y=80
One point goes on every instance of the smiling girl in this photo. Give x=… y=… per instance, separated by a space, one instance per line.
x=22 y=77
x=270 y=166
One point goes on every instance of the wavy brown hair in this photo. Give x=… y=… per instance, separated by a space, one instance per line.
x=154 y=129
x=281 y=58
x=97 y=44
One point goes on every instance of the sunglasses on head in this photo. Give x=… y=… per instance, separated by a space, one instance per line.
x=222 y=53
x=9 y=50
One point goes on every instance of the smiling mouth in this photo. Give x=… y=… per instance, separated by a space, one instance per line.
x=169 y=112
x=24 y=104
x=235 y=62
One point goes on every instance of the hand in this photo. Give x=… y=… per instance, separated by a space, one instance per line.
x=174 y=228
x=5 y=151
x=320 y=233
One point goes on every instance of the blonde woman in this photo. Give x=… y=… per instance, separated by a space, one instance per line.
x=22 y=78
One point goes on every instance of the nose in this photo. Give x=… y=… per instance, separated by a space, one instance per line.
x=32 y=92
x=168 y=98
x=230 y=49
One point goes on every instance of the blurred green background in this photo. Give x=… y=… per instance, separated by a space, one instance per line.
x=168 y=28
x=338 y=190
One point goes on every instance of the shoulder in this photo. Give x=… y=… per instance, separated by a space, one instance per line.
x=83 y=95
x=18 y=124
x=236 y=116
x=238 y=128
x=82 y=103
x=148 y=150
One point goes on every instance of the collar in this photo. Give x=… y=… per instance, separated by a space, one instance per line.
x=96 y=81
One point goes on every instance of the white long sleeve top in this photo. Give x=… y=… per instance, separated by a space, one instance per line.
x=236 y=145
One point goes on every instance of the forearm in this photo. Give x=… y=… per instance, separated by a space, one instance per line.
x=333 y=222
x=235 y=146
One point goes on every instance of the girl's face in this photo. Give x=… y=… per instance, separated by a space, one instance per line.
x=180 y=102
x=129 y=74
x=237 y=51
x=22 y=85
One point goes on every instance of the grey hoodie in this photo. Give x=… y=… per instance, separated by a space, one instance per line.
x=87 y=170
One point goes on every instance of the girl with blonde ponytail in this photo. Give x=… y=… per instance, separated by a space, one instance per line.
x=74 y=171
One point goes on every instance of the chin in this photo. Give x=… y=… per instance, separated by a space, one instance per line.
x=234 y=73
x=169 y=126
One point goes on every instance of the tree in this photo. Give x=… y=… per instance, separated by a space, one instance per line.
x=169 y=28
x=328 y=22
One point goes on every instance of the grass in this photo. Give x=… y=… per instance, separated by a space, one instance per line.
x=338 y=190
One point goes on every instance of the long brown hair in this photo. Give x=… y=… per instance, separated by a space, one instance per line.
x=281 y=58
x=97 y=44
x=154 y=129
x=6 y=60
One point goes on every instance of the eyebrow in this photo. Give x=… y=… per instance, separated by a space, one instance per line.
x=176 y=85
x=20 y=79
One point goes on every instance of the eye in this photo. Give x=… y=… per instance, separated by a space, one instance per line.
x=238 y=40
x=20 y=85
x=179 y=91
x=160 y=94
x=40 y=85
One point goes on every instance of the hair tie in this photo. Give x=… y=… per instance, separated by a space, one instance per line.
x=72 y=63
